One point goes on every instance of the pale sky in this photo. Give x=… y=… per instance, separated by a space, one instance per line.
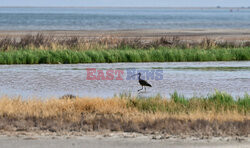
x=128 y=3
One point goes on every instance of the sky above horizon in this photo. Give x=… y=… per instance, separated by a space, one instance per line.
x=128 y=3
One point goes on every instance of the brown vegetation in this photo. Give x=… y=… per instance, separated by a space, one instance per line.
x=40 y=41
x=118 y=114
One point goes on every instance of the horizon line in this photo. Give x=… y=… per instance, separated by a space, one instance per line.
x=212 y=7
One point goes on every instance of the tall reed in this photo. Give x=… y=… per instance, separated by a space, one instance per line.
x=121 y=55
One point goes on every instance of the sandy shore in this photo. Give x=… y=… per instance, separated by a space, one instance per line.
x=192 y=34
x=119 y=140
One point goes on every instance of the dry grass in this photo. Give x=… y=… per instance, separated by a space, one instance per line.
x=40 y=41
x=117 y=114
x=43 y=42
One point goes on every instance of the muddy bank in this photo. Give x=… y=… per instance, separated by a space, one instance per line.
x=149 y=34
x=115 y=123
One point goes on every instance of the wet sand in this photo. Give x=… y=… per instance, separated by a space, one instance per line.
x=119 y=140
x=187 y=34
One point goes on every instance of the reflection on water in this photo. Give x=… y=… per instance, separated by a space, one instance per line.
x=188 y=78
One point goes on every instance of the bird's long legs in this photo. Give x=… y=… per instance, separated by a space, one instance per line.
x=145 y=89
x=141 y=89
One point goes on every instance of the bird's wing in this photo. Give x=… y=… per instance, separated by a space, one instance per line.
x=144 y=83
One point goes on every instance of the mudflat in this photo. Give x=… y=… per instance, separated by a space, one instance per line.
x=119 y=140
x=189 y=34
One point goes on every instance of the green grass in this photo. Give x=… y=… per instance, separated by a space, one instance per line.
x=161 y=54
x=217 y=102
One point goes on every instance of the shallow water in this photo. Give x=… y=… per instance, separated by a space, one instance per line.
x=121 y=18
x=187 y=78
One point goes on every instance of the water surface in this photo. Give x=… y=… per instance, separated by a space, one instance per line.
x=187 y=78
x=122 y=18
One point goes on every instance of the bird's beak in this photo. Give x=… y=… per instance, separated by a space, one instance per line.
x=134 y=75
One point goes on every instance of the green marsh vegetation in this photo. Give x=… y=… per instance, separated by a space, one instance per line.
x=218 y=102
x=42 y=49
x=121 y=55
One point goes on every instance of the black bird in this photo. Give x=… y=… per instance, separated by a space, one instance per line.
x=142 y=82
